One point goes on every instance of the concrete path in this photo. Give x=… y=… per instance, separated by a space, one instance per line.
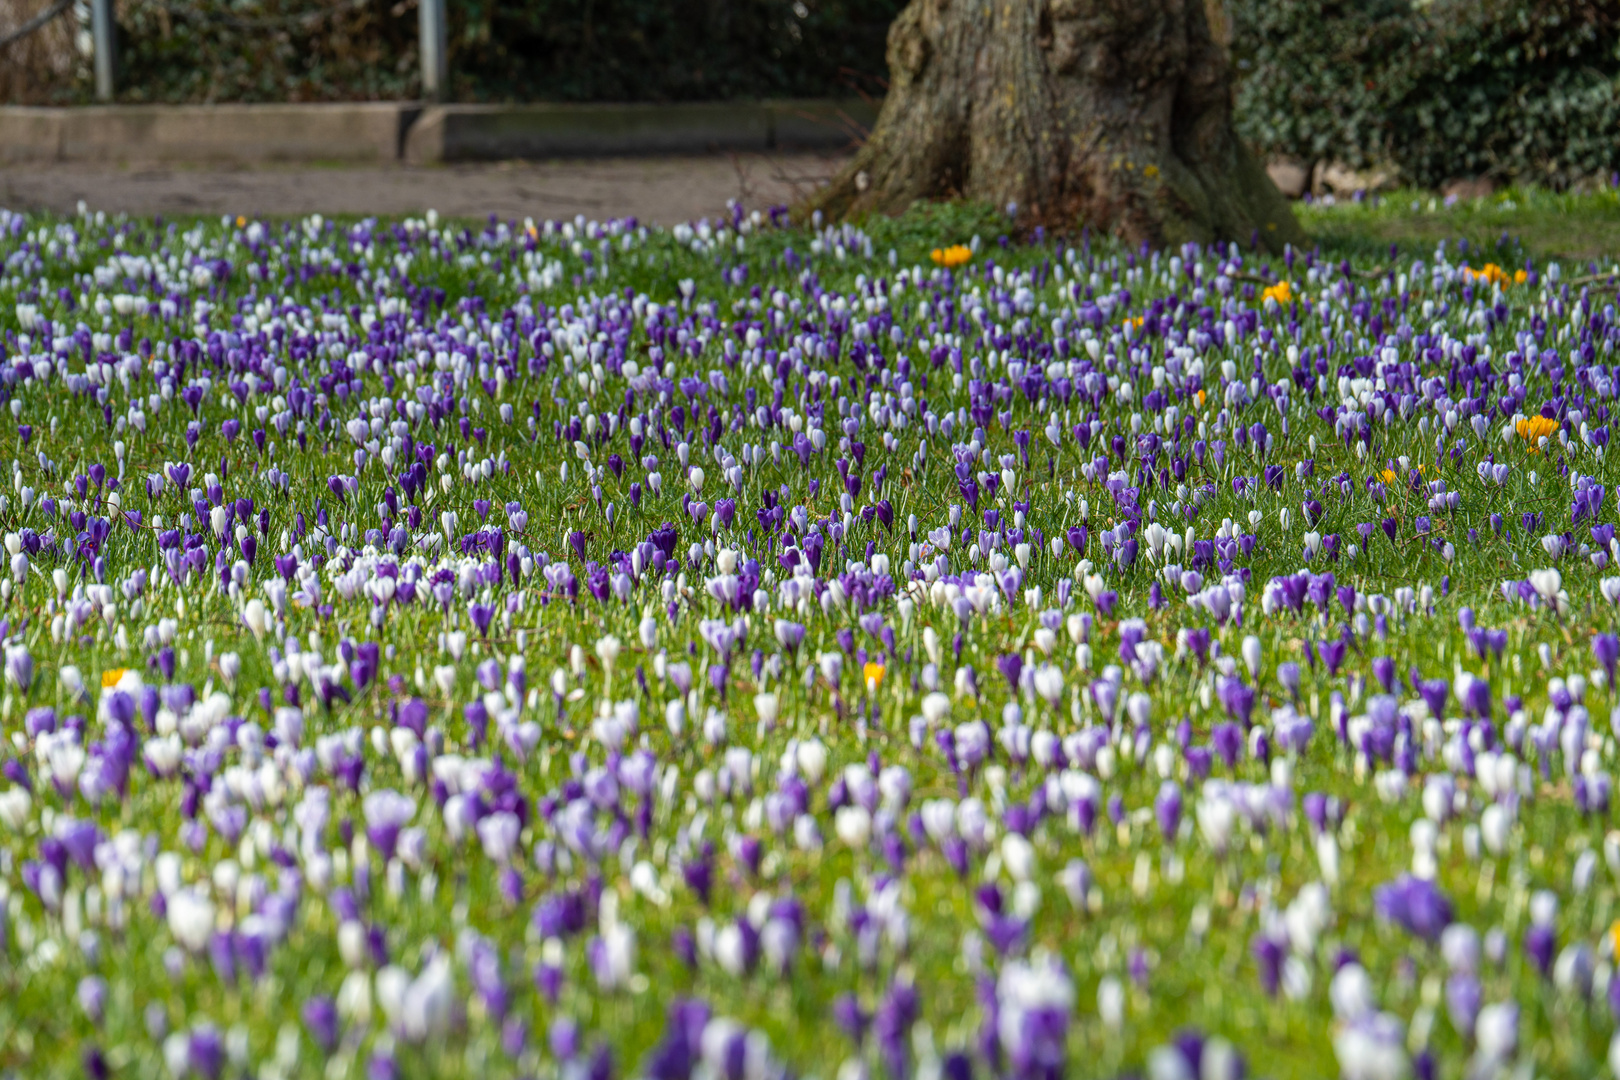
x=660 y=191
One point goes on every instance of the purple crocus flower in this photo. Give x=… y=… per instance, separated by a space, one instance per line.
x=1269 y=952
x=1332 y=653
x=1433 y=692
x=1288 y=675
x=851 y=1019
x=1415 y=904
x=92 y=997
x=387 y=812
x=1464 y=996
x=1167 y=808
x=1033 y=1003
x=790 y=635
x=19 y=667
x=1606 y=649
x=205 y=1051
x=321 y=1019
x=1011 y=666
x=1540 y=943
x=1237 y=697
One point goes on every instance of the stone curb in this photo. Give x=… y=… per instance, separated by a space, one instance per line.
x=383 y=132
x=243 y=134
x=490 y=133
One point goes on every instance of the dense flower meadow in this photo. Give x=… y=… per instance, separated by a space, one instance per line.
x=579 y=650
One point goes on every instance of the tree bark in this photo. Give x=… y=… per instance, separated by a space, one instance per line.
x=1111 y=113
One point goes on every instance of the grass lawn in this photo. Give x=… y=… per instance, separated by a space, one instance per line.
x=1510 y=225
x=573 y=650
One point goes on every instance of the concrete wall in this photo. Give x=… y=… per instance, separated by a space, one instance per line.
x=377 y=133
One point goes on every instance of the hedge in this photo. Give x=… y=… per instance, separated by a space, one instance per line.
x=1511 y=90
x=500 y=50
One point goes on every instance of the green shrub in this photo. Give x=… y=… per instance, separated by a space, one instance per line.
x=500 y=50
x=635 y=50
x=1520 y=90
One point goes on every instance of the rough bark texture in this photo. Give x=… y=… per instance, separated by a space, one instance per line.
x=1112 y=113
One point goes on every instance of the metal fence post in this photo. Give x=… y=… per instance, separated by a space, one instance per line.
x=435 y=62
x=104 y=40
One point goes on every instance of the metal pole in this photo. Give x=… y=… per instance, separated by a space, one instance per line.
x=104 y=42
x=435 y=62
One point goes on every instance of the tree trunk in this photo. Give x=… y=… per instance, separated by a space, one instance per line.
x=1111 y=113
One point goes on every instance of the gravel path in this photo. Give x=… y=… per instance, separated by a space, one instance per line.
x=655 y=190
